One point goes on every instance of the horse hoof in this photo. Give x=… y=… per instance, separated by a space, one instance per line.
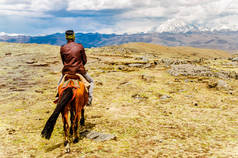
x=67 y=150
x=76 y=140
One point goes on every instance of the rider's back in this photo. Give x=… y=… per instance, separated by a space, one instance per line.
x=73 y=57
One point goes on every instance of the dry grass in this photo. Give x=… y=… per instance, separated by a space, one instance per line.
x=174 y=52
x=125 y=104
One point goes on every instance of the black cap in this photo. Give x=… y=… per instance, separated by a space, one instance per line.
x=69 y=32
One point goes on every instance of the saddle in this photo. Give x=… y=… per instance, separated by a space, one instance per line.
x=74 y=82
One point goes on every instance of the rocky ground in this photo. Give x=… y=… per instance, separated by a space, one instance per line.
x=157 y=101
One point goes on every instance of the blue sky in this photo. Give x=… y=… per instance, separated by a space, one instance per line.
x=35 y=17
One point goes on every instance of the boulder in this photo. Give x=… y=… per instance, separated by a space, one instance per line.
x=97 y=136
x=219 y=85
x=235 y=59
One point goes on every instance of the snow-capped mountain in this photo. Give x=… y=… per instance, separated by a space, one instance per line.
x=5 y=36
x=176 y=26
x=180 y=26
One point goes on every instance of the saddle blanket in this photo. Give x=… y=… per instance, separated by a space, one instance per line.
x=73 y=81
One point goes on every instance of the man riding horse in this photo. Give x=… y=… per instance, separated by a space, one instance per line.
x=73 y=95
x=74 y=58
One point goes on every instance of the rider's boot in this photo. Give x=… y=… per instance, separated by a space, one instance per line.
x=90 y=99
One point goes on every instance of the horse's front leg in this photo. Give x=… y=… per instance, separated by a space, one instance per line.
x=66 y=131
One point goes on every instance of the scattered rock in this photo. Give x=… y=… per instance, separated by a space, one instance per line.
x=220 y=85
x=136 y=65
x=234 y=75
x=139 y=97
x=148 y=65
x=17 y=90
x=123 y=68
x=8 y=54
x=156 y=62
x=147 y=78
x=163 y=97
x=11 y=131
x=200 y=71
x=125 y=83
x=176 y=80
x=189 y=70
x=212 y=84
x=38 y=91
x=187 y=80
x=145 y=59
x=31 y=62
x=40 y=65
x=3 y=85
x=235 y=59
x=97 y=136
x=171 y=61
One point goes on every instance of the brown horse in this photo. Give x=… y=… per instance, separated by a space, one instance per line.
x=72 y=98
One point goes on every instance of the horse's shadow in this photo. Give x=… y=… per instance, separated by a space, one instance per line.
x=53 y=147
x=84 y=130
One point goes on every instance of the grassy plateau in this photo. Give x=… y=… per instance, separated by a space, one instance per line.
x=151 y=112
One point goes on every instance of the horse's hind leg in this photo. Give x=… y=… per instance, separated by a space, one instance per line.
x=78 y=108
x=66 y=131
x=76 y=134
x=82 y=120
x=72 y=115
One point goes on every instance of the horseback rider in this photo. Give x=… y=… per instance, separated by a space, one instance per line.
x=74 y=58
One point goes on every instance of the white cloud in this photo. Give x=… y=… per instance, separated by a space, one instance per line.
x=34 y=8
x=48 y=5
x=24 y=13
x=135 y=15
x=102 y=4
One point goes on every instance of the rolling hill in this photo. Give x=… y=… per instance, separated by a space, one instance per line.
x=225 y=40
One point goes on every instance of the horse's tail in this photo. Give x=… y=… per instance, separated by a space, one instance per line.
x=49 y=126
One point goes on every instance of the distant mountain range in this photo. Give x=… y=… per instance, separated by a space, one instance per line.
x=226 y=40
